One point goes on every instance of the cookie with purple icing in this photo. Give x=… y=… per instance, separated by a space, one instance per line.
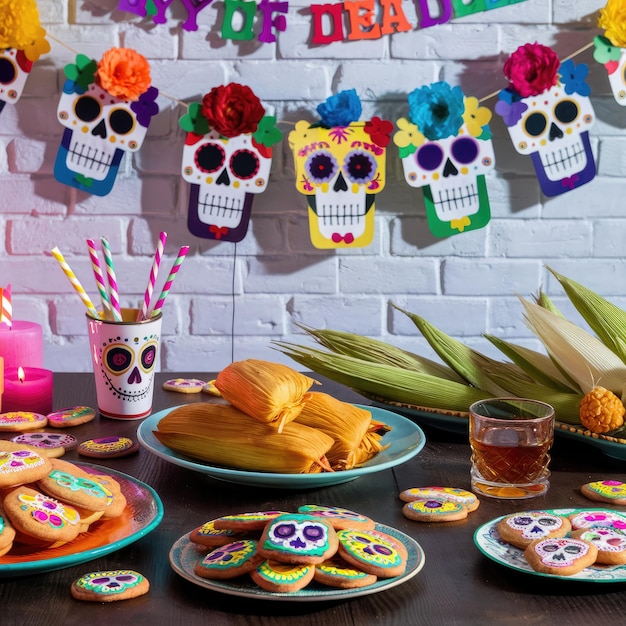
x=453 y=494
x=71 y=416
x=370 y=553
x=184 y=385
x=434 y=510
x=22 y=420
x=561 y=556
x=110 y=585
x=229 y=561
x=612 y=491
x=108 y=447
x=51 y=444
x=338 y=517
x=520 y=529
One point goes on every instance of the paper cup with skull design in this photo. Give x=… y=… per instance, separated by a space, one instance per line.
x=124 y=356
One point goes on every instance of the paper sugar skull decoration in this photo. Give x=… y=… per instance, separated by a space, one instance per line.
x=340 y=167
x=22 y=42
x=548 y=115
x=106 y=108
x=227 y=160
x=610 y=49
x=446 y=149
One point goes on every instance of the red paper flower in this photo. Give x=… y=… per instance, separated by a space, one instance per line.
x=532 y=69
x=124 y=73
x=379 y=131
x=232 y=110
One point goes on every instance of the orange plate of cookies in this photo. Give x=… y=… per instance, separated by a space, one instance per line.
x=143 y=513
x=593 y=523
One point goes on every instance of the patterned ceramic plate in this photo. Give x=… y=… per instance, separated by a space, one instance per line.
x=489 y=542
x=184 y=555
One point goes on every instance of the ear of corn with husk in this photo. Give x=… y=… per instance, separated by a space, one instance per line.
x=348 y=425
x=271 y=393
x=221 y=434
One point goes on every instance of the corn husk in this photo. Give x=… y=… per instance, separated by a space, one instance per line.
x=223 y=435
x=346 y=423
x=271 y=393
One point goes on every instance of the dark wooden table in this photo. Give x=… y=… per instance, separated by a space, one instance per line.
x=458 y=585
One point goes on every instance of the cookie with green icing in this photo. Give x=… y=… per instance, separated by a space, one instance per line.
x=110 y=585
x=338 y=517
x=209 y=536
x=229 y=561
x=371 y=553
x=295 y=538
x=335 y=572
x=282 y=577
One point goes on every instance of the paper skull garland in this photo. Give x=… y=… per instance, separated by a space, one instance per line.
x=340 y=167
x=610 y=49
x=446 y=149
x=227 y=159
x=548 y=115
x=106 y=109
x=22 y=42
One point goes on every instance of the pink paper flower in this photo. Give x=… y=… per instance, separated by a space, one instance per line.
x=532 y=69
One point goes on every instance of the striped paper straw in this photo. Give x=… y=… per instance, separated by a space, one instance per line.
x=112 y=280
x=56 y=253
x=7 y=307
x=182 y=253
x=99 y=276
x=156 y=264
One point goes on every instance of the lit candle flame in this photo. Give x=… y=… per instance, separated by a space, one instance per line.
x=20 y=374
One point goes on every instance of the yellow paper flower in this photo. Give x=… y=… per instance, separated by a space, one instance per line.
x=613 y=21
x=124 y=73
x=475 y=116
x=38 y=47
x=298 y=135
x=19 y=25
x=408 y=135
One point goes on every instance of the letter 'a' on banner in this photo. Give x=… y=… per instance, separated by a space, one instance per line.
x=227 y=160
x=446 y=149
x=548 y=113
x=340 y=167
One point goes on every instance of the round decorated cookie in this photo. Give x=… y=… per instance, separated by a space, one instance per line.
x=110 y=585
x=51 y=443
x=596 y=518
x=335 y=572
x=610 y=543
x=184 y=385
x=117 y=500
x=294 y=538
x=371 y=553
x=211 y=537
x=71 y=416
x=41 y=518
x=108 y=447
x=246 y=521
x=22 y=420
x=520 y=529
x=282 y=577
x=613 y=491
x=20 y=464
x=76 y=489
x=434 y=510
x=229 y=561
x=337 y=517
x=466 y=498
x=562 y=556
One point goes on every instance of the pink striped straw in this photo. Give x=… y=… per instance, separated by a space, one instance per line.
x=182 y=253
x=99 y=276
x=156 y=264
x=112 y=280
x=6 y=317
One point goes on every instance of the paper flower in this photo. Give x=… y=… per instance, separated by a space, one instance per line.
x=232 y=110
x=80 y=74
x=477 y=118
x=509 y=108
x=573 y=77
x=341 y=109
x=267 y=134
x=146 y=107
x=193 y=121
x=124 y=73
x=19 y=26
x=613 y=20
x=532 y=69
x=437 y=110
x=379 y=131
x=408 y=138
x=605 y=53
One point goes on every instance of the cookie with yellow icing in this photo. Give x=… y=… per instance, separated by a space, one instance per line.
x=434 y=510
x=282 y=577
x=21 y=464
x=22 y=420
x=371 y=553
x=452 y=494
x=338 y=517
x=246 y=521
x=229 y=561
x=335 y=572
x=612 y=491
x=208 y=536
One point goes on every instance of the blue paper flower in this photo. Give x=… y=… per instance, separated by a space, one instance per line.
x=573 y=77
x=341 y=109
x=437 y=110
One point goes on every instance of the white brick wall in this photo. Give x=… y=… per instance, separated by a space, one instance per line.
x=467 y=284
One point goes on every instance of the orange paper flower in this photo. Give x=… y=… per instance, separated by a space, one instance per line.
x=124 y=73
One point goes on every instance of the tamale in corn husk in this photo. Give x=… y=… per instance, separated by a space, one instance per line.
x=221 y=434
x=347 y=424
x=271 y=393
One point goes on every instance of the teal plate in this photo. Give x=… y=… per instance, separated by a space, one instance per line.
x=184 y=556
x=143 y=513
x=405 y=440
x=489 y=542
x=457 y=422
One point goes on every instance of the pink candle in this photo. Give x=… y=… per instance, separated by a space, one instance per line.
x=22 y=344
x=30 y=389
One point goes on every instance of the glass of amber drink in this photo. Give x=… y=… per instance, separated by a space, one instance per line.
x=510 y=440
